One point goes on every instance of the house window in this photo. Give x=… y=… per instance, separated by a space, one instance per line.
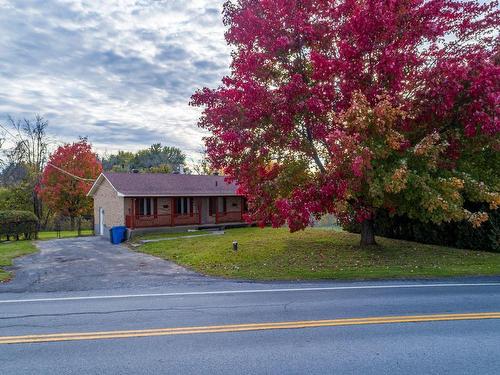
x=183 y=206
x=145 y=206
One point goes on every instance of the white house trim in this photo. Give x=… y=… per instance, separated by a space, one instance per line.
x=98 y=182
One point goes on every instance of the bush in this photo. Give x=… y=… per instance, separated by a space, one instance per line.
x=455 y=234
x=17 y=223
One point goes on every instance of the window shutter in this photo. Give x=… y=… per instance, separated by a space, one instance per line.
x=191 y=206
x=224 y=204
x=155 y=207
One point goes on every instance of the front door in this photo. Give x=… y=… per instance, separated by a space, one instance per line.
x=204 y=210
x=101 y=221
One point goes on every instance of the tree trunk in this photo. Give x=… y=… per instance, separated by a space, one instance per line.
x=43 y=224
x=367 y=233
x=37 y=205
x=72 y=223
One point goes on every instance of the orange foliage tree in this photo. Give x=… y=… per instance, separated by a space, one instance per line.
x=67 y=178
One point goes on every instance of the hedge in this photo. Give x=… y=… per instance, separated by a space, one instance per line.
x=455 y=234
x=17 y=223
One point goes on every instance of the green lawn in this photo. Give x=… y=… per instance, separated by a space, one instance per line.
x=319 y=254
x=50 y=235
x=10 y=250
x=157 y=236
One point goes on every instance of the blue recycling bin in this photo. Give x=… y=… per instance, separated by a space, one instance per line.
x=117 y=234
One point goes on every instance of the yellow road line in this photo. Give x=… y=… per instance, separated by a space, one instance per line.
x=242 y=327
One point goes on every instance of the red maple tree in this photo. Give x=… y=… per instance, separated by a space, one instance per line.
x=67 y=178
x=348 y=106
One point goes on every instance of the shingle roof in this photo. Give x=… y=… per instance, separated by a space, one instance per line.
x=162 y=184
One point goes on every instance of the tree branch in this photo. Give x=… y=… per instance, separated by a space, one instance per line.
x=316 y=158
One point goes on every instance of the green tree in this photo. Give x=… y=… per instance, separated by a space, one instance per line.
x=17 y=198
x=155 y=159
x=120 y=162
x=26 y=159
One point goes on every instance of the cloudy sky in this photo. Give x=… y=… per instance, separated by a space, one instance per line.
x=118 y=71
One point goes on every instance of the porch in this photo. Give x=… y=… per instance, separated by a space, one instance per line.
x=132 y=233
x=153 y=212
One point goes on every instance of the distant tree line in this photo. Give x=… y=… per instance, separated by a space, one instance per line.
x=155 y=159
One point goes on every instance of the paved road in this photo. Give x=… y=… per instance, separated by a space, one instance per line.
x=436 y=347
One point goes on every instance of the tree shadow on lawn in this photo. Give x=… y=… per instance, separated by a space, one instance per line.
x=340 y=252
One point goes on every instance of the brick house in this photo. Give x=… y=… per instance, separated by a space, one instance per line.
x=149 y=200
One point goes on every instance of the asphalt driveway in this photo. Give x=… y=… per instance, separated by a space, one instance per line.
x=92 y=263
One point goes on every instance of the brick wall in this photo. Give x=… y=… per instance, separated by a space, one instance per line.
x=107 y=198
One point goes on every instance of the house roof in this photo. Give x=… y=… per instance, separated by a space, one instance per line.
x=163 y=184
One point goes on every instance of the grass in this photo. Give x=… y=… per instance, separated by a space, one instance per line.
x=157 y=236
x=276 y=254
x=10 y=250
x=50 y=235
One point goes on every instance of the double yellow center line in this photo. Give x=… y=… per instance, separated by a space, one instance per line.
x=241 y=327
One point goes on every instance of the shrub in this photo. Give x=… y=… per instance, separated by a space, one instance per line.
x=456 y=234
x=17 y=223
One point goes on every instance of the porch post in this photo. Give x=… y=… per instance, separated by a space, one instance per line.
x=200 y=205
x=216 y=210
x=172 y=212
x=133 y=213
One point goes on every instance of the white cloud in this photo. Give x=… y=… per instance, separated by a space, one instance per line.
x=120 y=72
